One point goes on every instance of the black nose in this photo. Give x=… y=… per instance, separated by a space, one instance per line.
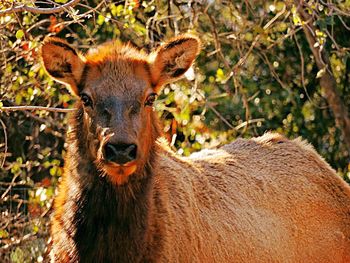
x=120 y=153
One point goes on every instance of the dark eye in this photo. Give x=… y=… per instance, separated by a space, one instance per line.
x=150 y=99
x=87 y=101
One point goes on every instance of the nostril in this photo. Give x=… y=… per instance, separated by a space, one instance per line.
x=110 y=152
x=107 y=114
x=132 y=151
x=120 y=153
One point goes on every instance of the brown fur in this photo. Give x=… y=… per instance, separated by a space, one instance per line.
x=267 y=199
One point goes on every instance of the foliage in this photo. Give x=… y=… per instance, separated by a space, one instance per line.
x=256 y=73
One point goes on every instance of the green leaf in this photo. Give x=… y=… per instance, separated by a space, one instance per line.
x=53 y=171
x=117 y=10
x=248 y=37
x=17 y=255
x=100 y=20
x=3 y=233
x=35 y=229
x=220 y=75
x=19 y=34
x=280 y=5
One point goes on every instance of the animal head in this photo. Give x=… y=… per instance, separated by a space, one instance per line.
x=116 y=86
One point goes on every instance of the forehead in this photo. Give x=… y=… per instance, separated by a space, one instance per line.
x=117 y=79
x=114 y=70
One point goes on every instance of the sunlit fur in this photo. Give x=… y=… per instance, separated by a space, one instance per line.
x=267 y=199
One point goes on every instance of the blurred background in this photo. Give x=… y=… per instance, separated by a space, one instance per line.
x=265 y=66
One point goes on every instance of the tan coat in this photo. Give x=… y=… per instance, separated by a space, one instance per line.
x=261 y=200
x=267 y=199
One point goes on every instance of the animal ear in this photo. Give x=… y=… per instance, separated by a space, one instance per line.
x=62 y=62
x=171 y=60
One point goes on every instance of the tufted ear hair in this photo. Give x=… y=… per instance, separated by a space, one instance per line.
x=171 y=60
x=62 y=62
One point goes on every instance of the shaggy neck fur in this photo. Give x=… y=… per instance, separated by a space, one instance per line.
x=107 y=214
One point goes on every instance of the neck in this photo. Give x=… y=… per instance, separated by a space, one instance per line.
x=111 y=222
x=111 y=217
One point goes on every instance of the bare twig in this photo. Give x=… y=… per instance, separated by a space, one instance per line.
x=342 y=21
x=243 y=59
x=268 y=24
x=245 y=123
x=31 y=108
x=302 y=70
x=332 y=39
x=217 y=42
x=247 y=110
x=293 y=31
x=22 y=183
x=9 y=187
x=213 y=109
x=273 y=72
x=338 y=10
x=36 y=10
x=5 y=137
x=25 y=238
x=220 y=116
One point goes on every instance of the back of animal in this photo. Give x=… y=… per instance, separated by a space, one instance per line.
x=125 y=197
x=265 y=200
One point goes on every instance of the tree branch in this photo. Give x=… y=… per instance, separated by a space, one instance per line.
x=31 y=108
x=35 y=10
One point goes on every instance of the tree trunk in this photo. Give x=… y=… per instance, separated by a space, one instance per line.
x=327 y=81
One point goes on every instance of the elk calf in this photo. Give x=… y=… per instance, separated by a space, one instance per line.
x=125 y=197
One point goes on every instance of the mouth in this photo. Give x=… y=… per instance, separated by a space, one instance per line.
x=119 y=174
